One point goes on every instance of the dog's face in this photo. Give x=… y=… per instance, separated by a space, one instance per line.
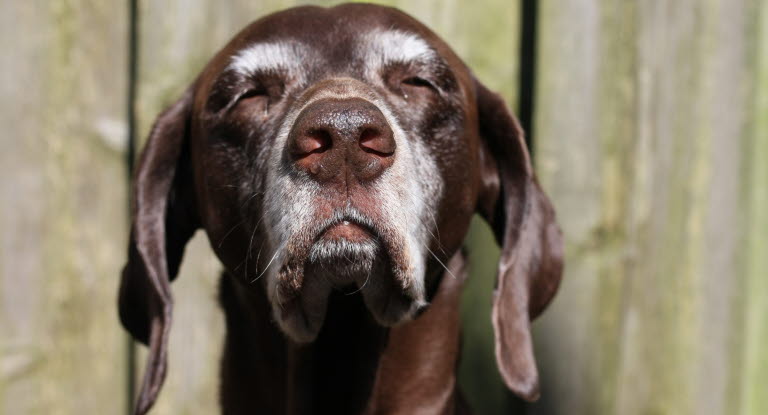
x=347 y=148
x=340 y=149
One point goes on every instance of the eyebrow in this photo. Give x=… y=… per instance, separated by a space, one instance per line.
x=262 y=57
x=398 y=46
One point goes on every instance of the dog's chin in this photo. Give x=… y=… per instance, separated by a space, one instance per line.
x=355 y=263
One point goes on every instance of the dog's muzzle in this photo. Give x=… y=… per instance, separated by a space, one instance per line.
x=347 y=195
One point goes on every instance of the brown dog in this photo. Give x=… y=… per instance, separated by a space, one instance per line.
x=335 y=157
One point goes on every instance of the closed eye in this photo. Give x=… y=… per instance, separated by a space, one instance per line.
x=416 y=81
x=256 y=99
x=253 y=93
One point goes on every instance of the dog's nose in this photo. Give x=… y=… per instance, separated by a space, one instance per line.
x=333 y=135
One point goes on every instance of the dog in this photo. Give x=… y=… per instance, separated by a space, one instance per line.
x=334 y=157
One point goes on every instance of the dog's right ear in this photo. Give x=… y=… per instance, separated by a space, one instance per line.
x=163 y=220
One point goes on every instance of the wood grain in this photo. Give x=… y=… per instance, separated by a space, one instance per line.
x=63 y=210
x=646 y=141
x=651 y=137
x=753 y=376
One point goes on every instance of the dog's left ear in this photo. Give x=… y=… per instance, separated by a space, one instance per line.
x=163 y=220
x=523 y=221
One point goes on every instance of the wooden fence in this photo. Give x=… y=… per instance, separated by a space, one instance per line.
x=650 y=133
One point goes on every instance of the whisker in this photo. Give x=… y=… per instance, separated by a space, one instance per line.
x=437 y=229
x=258 y=255
x=441 y=262
x=368 y=277
x=250 y=244
x=437 y=238
x=277 y=251
x=229 y=232
x=250 y=198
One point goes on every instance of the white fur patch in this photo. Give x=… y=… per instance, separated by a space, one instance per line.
x=395 y=46
x=264 y=57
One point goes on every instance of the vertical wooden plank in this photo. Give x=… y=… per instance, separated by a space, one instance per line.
x=63 y=209
x=644 y=130
x=754 y=376
x=575 y=338
x=176 y=39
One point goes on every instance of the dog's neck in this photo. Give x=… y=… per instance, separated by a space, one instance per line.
x=354 y=366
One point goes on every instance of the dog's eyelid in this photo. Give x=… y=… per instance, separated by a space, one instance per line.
x=418 y=81
x=252 y=92
x=407 y=75
x=263 y=93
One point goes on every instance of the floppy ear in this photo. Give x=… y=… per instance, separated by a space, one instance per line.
x=523 y=221
x=163 y=220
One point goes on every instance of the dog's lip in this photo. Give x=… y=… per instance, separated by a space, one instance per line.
x=347 y=229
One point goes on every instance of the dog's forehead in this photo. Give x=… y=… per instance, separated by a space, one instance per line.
x=340 y=36
x=377 y=47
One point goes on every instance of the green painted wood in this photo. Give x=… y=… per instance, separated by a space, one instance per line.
x=648 y=137
x=64 y=207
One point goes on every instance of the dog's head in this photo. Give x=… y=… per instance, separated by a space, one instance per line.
x=343 y=148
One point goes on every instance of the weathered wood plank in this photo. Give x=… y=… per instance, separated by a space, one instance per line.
x=754 y=376
x=176 y=39
x=643 y=138
x=64 y=209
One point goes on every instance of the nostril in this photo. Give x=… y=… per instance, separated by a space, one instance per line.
x=313 y=141
x=373 y=141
